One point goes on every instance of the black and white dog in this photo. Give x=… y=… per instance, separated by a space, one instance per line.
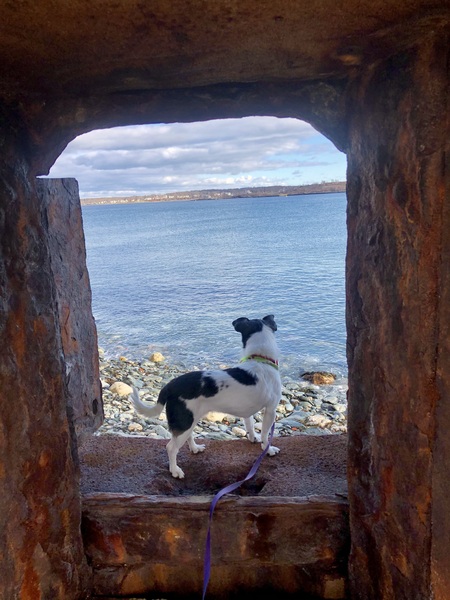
x=241 y=391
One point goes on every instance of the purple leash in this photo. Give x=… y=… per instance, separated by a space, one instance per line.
x=215 y=500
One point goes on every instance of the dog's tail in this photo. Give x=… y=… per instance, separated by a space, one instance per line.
x=144 y=409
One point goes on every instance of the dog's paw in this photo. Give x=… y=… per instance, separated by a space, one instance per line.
x=255 y=437
x=198 y=448
x=177 y=472
x=272 y=450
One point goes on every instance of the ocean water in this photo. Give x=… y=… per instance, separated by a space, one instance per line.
x=171 y=277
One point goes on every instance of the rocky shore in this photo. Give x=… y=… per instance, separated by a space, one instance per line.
x=305 y=408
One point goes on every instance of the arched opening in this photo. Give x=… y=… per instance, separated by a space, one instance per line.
x=171 y=277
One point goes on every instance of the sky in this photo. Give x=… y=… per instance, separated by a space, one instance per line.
x=230 y=153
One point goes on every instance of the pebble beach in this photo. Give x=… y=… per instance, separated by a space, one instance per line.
x=304 y=408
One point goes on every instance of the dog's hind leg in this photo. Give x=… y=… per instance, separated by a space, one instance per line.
x=193 y=447
x=250 y=428
x=173 y=448
x=268 y=420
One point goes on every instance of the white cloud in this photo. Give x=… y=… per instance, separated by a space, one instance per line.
x=212 y=154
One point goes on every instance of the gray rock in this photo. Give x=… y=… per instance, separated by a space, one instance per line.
x=290 y=422
x=138 y=383
x=162 y=432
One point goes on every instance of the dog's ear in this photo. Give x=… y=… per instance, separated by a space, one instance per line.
x=270 y=322
x=240 y=324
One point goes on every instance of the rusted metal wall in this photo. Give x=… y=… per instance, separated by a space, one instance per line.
x=41 y=549
x=397 y=319
x=63 y=222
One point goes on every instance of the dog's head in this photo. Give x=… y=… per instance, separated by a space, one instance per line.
x=247 y=327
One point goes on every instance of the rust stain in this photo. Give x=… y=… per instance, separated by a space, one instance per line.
x=133 y=583
x=39 y=327
x=116 y=543
x=327 y=553
x=243 y=543
x=401 y=563
x=29 y=589
x=171 y=537
x=66 y=520
x=334 y=588
x=42 y=519
x=423 y=504
x=17 y=335
x=162 y=575
x=388 y=486
x=44 y=459
x=100 y=543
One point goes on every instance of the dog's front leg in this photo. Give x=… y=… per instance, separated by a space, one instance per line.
x=268 y=420
x=250 y=428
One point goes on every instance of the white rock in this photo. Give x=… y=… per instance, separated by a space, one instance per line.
x=217 y=417
x=238 y=431
x=338 y=428
x=157 y=357
x=121 y=389
x=135 y=427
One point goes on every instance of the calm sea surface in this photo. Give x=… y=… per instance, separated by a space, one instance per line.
x=173 y=276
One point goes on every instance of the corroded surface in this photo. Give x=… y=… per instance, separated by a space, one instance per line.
x=151 y=544
x=40 y=544
x=398 y=420
x=64 y=227
x=105 y=63
x=94 y=48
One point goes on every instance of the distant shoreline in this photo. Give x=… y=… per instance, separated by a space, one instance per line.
x=334 y=187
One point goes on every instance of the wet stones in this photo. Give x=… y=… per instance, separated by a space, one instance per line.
x=304 y=408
